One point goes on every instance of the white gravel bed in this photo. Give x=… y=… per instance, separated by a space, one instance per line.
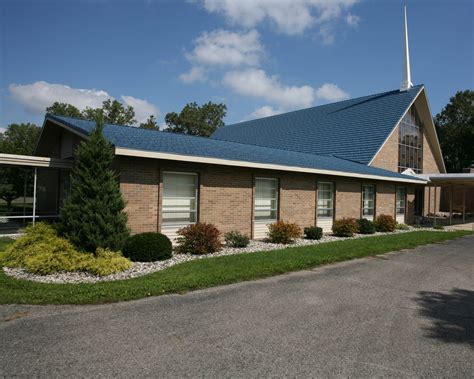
x=144 y=268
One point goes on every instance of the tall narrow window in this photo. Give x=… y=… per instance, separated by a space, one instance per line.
x=410 y=143
x=325 y=199
x=401 y=196
x=179 y=198
x=266 y=199
x=368 y=201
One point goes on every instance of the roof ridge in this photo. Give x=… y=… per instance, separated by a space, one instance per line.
x=320 y=106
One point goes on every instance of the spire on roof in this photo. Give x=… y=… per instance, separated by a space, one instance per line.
x=406 y=79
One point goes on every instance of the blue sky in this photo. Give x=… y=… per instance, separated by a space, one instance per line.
x=258 y=57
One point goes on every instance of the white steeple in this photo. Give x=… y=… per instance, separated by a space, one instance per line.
x=406 y=79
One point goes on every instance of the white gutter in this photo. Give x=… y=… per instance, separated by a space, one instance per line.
x=33 y=161
x=119 y=151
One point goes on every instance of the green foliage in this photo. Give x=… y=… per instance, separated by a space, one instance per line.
x=199 y=238
x=112 y=112
x=17 y=139
x=42 y=251
x=205 y=273
x=345 y=227
x=236 y=239
x=385 y=223
x=365 y=226
x=455 y=127
x=438 y=227
x=4 y=242
x=150 y=123
x=92 y=215
x=313 y=233
x=64 y=109
x=283 y=232
x=148 y=247
x=197 y=120
x=401 y=227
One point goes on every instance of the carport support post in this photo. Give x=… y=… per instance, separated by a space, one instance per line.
x=34 y=195
x=434 y=206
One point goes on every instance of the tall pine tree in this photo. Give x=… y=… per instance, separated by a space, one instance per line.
x=92 y=215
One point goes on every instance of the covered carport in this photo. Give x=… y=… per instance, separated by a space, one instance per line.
x=457 y=190
x=31 y=189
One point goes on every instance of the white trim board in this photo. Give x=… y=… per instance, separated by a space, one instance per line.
x=120 y=151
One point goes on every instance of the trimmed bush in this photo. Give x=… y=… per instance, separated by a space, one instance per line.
x=199 y=238
x=148 y=247
x=438 y=227
x=344 y=227
x=385 y=223
x=283 y=232
x=42 y=251
x=402 y=227
x=313 y=233
x=236 y=239
x=365 y=226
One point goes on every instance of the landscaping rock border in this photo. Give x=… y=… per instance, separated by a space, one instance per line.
x=143 y=268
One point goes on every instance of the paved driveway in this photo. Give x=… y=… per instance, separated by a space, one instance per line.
x=404 y=314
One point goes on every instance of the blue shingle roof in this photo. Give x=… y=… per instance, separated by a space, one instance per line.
x=353 y=129
x=164 y=142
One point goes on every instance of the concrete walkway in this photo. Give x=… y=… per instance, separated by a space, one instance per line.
x=405 y=314
x=468 y=226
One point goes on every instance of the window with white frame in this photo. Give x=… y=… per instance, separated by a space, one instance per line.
x=179 y=204
x=325 y=199
x=368 y=200
x=266 y=199
x=401 y=200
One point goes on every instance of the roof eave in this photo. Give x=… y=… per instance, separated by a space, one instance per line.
x=121 y=151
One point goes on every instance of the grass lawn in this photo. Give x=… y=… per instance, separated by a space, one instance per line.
x=214 y=271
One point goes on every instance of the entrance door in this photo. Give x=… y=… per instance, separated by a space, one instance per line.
x=401 y=204
x=419 y=201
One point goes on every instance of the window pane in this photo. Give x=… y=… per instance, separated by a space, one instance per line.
x=325 y=199
x=266 y=199
x=179 y=202
x=410 y=153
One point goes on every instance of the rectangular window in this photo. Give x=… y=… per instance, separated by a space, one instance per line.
x=325 y=199
x=266 y=199
x=401 y=196
x=368 y=200
x=179 y=198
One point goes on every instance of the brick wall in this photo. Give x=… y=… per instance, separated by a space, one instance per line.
x=226 y=194
x=387 y=157
x=385 y=202
x=139 y=184
x=348 y=198
x=298 y=199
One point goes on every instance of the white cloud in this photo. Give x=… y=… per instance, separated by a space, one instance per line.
x=143 y=109
x=195 y=74
x=36 y=97
x=265 y=111
x=352 y=20
x=289 y=16
x=222 y=47
x=331 y=92
x=256 y=83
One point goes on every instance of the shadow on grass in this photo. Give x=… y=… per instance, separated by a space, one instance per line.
x=451 y=314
